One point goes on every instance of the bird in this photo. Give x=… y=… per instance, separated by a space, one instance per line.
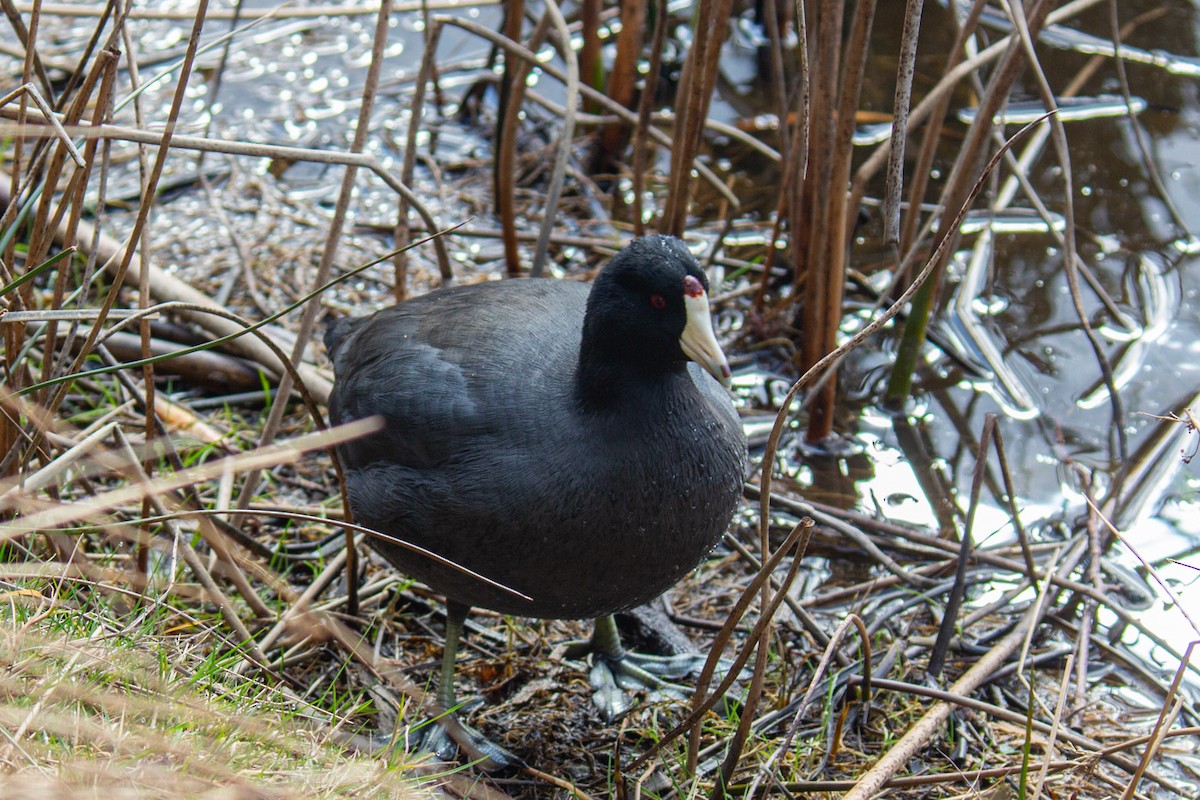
x=578 y=446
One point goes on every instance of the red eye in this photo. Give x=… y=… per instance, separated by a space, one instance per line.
x=658 y=301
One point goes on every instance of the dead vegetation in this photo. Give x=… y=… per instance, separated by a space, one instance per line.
x=180 y=620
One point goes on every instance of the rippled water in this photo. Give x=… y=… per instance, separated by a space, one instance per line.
x=1009 y=321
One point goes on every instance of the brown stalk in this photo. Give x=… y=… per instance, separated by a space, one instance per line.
x=199 y=308
x=557 y=782
x=27 y=36
x=905 y=70
x=774 y=17
x=811 y=206
x=1010 y=493
x=1087 y=617
x=298 y=11
x=1016 y=566
x=622 y=84
x=152 y=500
x=695 y=93
x=510 y=84
x=1018 y=638
x=796 y=540
x=38 y=240
x=401 y=233
x=770 y=769
x=933 y=134
x=792 y=203
x=1027 y=28
x=757 y=642
x=566 y=135
x=264 y=457
x=737 y=742
x=926 y=109
x=80 y=72
x=826 y=276
x=43 y=230
x=1166 y=718
x=1149 y=167
x=1055 y=723
x=1090 y=746
x=60 y=149
x=14 y=191
x=962 y=177
x=298 y=606
x=256 y=150
x=807 y=620
x=918 y=734
x=768 y=459
x=150 y=427
x=591 y=69
x=722 y=188
x=696 y=87
x=106 y=67
x=645 y=106
x=659 y=136
x=151 y=184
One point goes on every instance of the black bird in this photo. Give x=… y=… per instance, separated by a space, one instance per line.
x=556 y=440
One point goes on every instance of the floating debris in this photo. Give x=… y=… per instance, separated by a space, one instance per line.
x=1012 y=220
x=1070 y=109
x=1076 y=41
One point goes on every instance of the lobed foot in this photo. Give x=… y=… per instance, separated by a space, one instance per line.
x=616 y=671
x=444 y=736
x=612 y=678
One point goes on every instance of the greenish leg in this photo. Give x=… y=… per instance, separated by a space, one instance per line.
x=606 y=641
x=441 y=737
x=456 y=618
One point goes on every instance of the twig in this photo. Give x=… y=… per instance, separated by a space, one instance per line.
x=565 y=138
x=796 y=539
x=151 y=495
x=937 y=655
x=1166 y=718
x=169 y=288
x=918 y=734
x=265 y=457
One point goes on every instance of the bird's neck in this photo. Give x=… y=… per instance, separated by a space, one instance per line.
x=608 y=376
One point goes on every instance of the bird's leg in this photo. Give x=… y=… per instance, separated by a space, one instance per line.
x=456 y=618
x=615 y=670
x=440 y=738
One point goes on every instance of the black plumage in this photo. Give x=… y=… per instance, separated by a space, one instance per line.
x=589 y=484
x=555 y=439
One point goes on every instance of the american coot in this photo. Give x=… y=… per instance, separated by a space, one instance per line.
x=553 y=439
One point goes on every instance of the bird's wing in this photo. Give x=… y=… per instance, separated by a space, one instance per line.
x=448 y=371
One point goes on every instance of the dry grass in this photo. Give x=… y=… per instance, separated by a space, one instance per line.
x=127 y=714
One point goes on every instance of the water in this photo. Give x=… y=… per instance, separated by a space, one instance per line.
x=1010 y=323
